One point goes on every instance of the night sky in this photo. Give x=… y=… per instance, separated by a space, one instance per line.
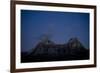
x=59 y=26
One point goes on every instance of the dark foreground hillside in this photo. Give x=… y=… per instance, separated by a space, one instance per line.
x=49 y=51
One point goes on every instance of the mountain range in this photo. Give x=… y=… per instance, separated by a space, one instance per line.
x=47 y=50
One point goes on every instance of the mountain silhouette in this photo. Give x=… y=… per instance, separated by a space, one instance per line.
x=77 y=50
x=47 y=50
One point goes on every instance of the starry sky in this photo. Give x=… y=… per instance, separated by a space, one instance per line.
x=59 y=26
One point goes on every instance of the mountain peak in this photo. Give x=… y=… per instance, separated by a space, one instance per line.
x=74 y=43
x=46 y=41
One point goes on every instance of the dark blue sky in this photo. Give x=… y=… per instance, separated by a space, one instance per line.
x=60 y=26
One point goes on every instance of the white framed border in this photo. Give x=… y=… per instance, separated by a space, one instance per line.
x=20 y=65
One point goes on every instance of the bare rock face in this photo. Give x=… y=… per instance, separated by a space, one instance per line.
x=47 y=50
